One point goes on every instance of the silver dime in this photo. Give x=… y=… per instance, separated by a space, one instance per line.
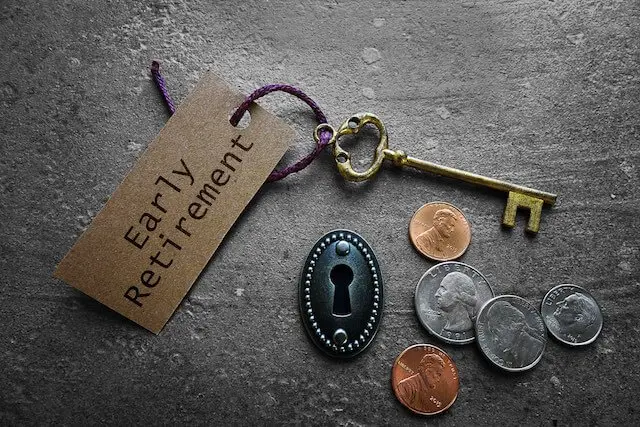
x=448 y=297
x=511 y=333
x=572 y=315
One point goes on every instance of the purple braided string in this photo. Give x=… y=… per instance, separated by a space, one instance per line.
x=162 y=86
x=324 y=136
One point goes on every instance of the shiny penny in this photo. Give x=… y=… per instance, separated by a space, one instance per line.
x=448 y=298
x=439 y=231
x=572 y=315
x=511 y=333
x=425 y=379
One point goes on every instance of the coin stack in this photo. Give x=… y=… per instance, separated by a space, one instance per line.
x=456 y=304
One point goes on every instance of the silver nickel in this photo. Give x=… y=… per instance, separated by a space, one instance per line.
x=511 y=333
x=572 y=315
x=448 y=298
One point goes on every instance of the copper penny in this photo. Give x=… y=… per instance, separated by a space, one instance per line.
x=439 y=231
x=425 y=379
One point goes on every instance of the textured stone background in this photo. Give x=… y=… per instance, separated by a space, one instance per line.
x=544 y=93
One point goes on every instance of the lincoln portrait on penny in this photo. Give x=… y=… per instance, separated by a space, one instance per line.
x=456 y=298
x=417 y=389
x=436 y=240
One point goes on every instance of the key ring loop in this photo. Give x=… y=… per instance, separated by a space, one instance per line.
x=324 y=127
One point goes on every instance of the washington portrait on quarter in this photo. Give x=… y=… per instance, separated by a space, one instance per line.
x=456 y=298
x=447 y=299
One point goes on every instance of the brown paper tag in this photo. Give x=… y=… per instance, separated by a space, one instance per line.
x=146 y=247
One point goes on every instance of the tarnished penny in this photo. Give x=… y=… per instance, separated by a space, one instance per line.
x=439 y=231
x=425 y=379
x=572 y=315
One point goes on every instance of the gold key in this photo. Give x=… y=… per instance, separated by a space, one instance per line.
x=519 y=196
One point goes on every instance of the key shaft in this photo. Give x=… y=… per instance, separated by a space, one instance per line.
x=400 y=158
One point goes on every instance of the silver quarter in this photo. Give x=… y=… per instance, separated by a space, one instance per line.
x=448 y=298
x=511 y=333
x=572 y=315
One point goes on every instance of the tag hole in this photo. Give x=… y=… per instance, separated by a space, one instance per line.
x=354 y=122
x=341 y=158
x=244 y=120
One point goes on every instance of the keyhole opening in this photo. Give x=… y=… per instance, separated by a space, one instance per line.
x=341 y=276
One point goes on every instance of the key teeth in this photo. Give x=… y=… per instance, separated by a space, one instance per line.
x=509 y=217
x=534 y=216
x=518 y=200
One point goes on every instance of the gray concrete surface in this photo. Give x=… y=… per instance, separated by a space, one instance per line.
x=544 y=93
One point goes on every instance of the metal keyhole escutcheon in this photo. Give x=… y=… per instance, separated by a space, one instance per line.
x=341 y=294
